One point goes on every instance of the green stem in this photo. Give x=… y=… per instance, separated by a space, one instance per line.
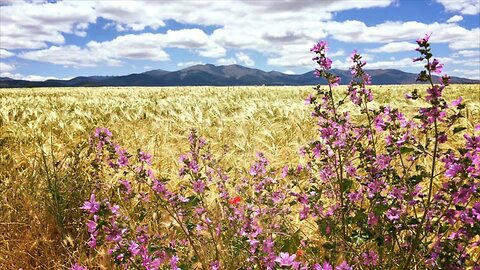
x=430 y=186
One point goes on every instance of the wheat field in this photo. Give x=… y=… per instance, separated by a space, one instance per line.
x=44 y=137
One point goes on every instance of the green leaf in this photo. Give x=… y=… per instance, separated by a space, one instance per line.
x=360 y=217
x=380 y=240
x=346 y=184
x=404 y=150
x=413 y=180
x=193 y=200
x=291 y=245
x=329 y=245
x=379 y=209
x=458 y=129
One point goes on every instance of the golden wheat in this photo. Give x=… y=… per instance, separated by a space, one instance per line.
x=44 y=133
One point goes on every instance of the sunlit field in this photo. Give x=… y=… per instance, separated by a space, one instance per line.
x=44 y=132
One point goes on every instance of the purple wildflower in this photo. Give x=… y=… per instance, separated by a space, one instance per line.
x=285 y=259
x=424 y=40
x=326 y=266
x=126 y=186
x=77 y=266
x=435 y=66
x=343 y=266
x=393 y=214
x=310 y=98
x=370 y=258
x=91 y=206
x=145 y=157
x=457 y=102
x=198 y=186
x=320 y=46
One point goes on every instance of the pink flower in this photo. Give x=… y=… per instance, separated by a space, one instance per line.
x=92 y=224
x=126 y=186
x=326 y=63
x=343 y=266
x=91 y=206
x=370 y=258
x=393 y=214
x=423 y=40
x=285 y=171
x=435 y=66
x=215 y=265
x=174 y=263
x=103 y=134
x=145 y=157
x=457 y=102
x=372 y=219
x=476 y=211
x=309 y=99
x=453 y=170
x=199 y=186
x=334 y=81
x=304 y=212
x=285 y=259
x=325 y=266
x=434 y=92
x=134 y=248
x=77 y=266
x=320 y=46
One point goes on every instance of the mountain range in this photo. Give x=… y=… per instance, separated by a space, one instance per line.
x=211 y=75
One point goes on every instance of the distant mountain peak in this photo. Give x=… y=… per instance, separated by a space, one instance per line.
x=223 y=75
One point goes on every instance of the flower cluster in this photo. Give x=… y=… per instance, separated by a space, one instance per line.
x=325 y=63
x=371 y=189
x=375 y=191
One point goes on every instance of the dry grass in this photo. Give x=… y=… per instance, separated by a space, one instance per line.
x=43 y=133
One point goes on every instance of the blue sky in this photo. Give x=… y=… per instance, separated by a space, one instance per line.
x=64 y=39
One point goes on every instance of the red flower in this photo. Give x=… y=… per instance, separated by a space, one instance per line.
x=235 y=200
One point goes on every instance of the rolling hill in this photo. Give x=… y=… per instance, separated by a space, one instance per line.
x=211 y=75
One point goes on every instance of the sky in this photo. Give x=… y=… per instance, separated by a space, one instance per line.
x=63 y=39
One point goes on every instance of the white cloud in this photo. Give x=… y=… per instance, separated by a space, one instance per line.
x=466 y=7
x=357 y=31
x=17 y=76
x=340 y=52
x=339 y=64
x=189 y=63
x=289 y=72
x=72 y=56
x=226 y=61
x=395 y=64
x=33 y=25
x=291 y=60
x=5 y=54
x=244 y=59
x=394 y=47
x=468 y=62
x=255 y=25
x=467 y=73
x=147 y=46
x=469 y=39
x=455 y=19
x=4 y=67
x=468 y=53
x=268 y=27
